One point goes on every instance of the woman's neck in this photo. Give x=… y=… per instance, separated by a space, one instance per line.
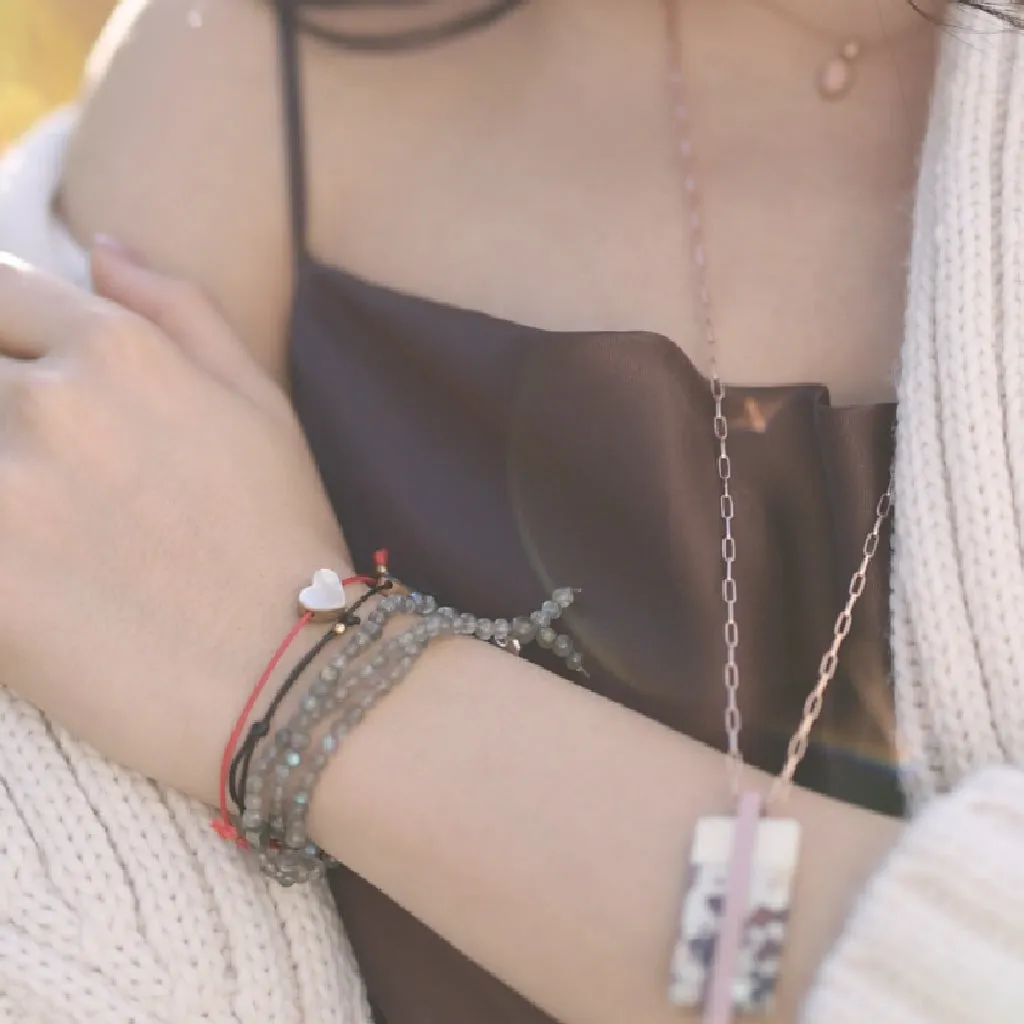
x=873 y=22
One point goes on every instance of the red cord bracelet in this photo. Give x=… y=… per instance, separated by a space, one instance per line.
x=324 y=581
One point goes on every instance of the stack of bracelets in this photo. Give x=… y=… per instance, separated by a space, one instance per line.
x=270 y=778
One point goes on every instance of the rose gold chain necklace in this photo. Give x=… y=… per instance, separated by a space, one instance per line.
x=735 y=911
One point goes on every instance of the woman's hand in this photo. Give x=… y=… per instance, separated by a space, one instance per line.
x=159 y=510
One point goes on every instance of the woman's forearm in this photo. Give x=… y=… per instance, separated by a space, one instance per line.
x=545 y=832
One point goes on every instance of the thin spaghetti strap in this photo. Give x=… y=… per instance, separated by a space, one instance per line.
x=294 y=123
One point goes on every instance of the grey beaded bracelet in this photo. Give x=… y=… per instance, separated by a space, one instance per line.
x=368 y=667
x=268 y=779
x=284 y=849
x=293 y=858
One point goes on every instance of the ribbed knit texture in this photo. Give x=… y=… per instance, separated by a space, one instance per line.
x=119 y=904
x=938 y=937
x=958 y=573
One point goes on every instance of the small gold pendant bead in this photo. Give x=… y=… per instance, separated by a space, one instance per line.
x=838 y=75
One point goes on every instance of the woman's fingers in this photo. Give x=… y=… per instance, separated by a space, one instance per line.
x=184 y=314
x=138 y=319
x=40 y=314
x=11 y=384
x=179 y=309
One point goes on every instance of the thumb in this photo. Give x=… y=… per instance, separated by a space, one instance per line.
x=185 y=314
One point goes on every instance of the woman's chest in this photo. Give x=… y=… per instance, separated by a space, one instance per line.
x=553 y=195
x=497 y=463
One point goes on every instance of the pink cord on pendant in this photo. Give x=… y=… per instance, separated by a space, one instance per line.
x=719 y=1002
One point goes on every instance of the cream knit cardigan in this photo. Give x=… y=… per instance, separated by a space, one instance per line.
x=118 y=904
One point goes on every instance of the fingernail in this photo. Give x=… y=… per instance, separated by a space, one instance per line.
x=117 y=248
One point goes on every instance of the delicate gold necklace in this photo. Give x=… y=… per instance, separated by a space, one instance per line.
x=837 y=74
x=735 y=912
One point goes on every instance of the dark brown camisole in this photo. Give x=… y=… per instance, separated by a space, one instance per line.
x=497 y=461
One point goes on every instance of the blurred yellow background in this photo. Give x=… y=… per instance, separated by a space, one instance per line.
x=43 y=45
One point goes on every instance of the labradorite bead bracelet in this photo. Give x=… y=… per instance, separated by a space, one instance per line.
x=274 y=791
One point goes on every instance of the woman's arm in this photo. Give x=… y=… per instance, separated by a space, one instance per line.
x=542 y=830
x=545 y=832
x=178 y=153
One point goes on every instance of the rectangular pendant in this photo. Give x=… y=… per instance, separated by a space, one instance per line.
x=765 y=918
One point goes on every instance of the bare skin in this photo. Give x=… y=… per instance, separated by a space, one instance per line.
x=548 y=143
x=528 y=171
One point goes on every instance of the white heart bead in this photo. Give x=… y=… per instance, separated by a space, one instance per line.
x=324 y=594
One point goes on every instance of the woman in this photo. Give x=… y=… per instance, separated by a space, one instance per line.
x=514 y=844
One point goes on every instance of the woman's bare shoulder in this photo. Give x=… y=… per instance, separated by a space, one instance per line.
x=178 y=154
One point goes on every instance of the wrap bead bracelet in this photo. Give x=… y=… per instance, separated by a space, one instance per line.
x=353 y=682
x=325 y=586
x=272 y=789
x=240 y=764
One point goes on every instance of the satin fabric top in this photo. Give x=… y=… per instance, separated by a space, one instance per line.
x=497 y=461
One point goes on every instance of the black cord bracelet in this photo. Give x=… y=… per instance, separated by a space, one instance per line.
x=240 y=764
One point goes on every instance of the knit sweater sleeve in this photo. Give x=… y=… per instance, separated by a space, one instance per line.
x=117 y=900
x=938 y=936
x=118 y=903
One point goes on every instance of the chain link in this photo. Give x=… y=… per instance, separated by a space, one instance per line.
x=731 y=633
x=830 y=659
